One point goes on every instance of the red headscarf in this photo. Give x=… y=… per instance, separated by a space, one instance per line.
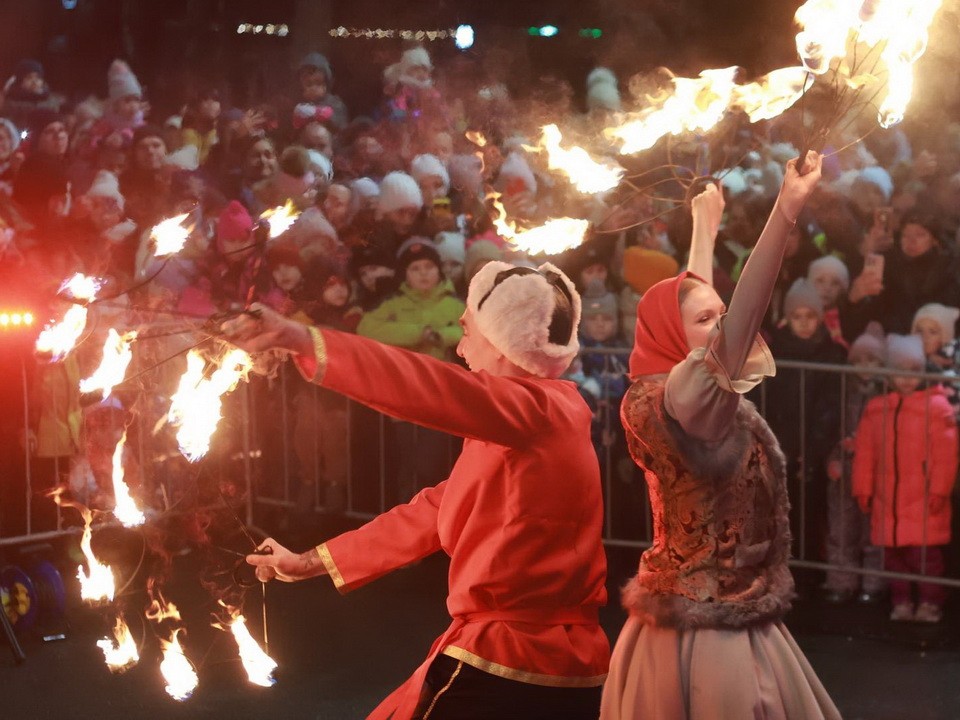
x=660 y=341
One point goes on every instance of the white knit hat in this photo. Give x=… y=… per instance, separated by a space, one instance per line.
x=399 y=190
x=121 y=81
x=106 y=185
x=515 y=314
x=832 y=266
x=870 y=344
x=879 y=177
x=802 y=294
x=515 y=167
x=365 y=188
x=451 y=246
x=602 y=92
x=321 y=165
x=427 y=165
x=946 y=317
x=905 y=352
x=414 y=57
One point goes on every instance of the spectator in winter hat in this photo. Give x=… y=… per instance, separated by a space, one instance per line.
x=479 y=253
x=415 y=68
x=316 y=81
x=936 y=325
x=803 y=309
x=296 y=181
x=235 y=233
x=452 y=249
x=600 y=316
x=315 y=136
x=200 y=123
x=26 y=92
x=340 y=205
x=831 y=279
x=441 y=146
x=373 y=269
x=145 y=184
x=398 y=210
x=367 y=191
x=431 y=176
x=43 y=180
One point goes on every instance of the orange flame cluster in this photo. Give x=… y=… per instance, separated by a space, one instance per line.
x=587 y=175
x=170 y=235
x=120 y=653
x=553 y=237
x=178 y=673
x=58 y=339
x=117 y=354
x=125 y=509
x=280 y=219
x=256 y=662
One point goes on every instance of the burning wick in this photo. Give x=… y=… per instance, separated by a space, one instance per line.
x=586 y=174
x=60 y=338
x=256 y=662
x=117 y=354
x=280 y=218
x=121 y=652
x=126 y=510
x=99 y=585
x=179 y=674
x=170 y=235
x=551 y=238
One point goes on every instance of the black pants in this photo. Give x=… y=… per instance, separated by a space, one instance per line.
x=457 y=691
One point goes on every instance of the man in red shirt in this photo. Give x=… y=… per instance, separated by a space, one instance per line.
x=520 y=515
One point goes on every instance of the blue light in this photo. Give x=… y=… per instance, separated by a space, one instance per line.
x=464 y=36
x=69 y=4
x=548 y=30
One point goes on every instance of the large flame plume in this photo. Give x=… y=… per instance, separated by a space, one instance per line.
x=170 y=235
x=176 y=669
x=280 y=218
x=125 y=510
x=117 y=354
x=256 y=662
x=98 y=585
x=58 y=339
x=120 y=652
x=552 y=238
x=195 y=407
x=587 y=175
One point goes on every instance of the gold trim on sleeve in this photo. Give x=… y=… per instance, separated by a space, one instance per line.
x=332 y=570
x=521 y=675
x=320 y=353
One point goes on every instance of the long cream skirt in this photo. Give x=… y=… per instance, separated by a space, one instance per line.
x=756 y=673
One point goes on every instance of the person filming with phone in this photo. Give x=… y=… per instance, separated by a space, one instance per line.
x=917 y=270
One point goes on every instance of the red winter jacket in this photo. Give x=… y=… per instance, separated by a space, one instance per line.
x=903 y=445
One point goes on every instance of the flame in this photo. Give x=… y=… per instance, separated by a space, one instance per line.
x=126 y=509
x=553 y=237
x=170 y=235
x=99 y=584
x=831 y=30
x=772 y=94
x=117 y=353
x=60 y=338
x=121 y=652
x=476 y=137
x=160 y=610
x=280 y=218
x=587 y=175
x=195 y=407
x=256 y=662
x=179 y=674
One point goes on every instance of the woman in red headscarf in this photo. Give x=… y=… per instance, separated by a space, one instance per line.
x=704 y=637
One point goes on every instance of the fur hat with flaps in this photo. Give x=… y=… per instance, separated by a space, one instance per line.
x=514 y=309
x=946 y=317
x=905 y=352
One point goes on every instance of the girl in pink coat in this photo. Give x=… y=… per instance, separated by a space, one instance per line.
x=904 y=465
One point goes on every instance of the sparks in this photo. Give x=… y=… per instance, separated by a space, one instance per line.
x=117 y=354
x=170 y=235
x=587 y=175
x=125 y=510
x=195 y=407
x=120 y=653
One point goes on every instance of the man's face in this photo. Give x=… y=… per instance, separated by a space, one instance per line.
x=54 y=140
x=478 y=352
x=316 y=137
x=149 y=153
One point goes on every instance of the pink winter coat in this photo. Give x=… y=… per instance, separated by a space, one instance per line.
x=903 y=445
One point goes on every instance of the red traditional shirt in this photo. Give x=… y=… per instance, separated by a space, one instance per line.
x=520 y=515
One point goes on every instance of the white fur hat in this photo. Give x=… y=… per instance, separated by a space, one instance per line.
x=365 y=187
x=426 y=165
x=603 y=97
x=905 y=352
x=121 y=81
x=106 y=185
x=515 y=313
x=515 y=167
x=832 y=266
x=399 y=190
x=415 y=57
x=451 y=246
x=946 y=317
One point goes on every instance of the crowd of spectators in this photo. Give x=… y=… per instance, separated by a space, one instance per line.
x=395 y=219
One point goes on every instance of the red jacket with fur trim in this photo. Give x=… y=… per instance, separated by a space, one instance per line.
x=520 y=515
x=904 y=445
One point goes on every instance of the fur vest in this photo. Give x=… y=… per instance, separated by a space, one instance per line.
x=720 y=517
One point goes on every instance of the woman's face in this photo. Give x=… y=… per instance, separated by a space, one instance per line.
x=931 y=335
x=336 y=205
x=54 y=140
x=915 y=240
x=700 y=312
x=261 y=161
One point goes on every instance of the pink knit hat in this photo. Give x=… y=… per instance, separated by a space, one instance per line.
x=234 y=223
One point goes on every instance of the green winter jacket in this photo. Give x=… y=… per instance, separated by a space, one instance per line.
x=402 y=319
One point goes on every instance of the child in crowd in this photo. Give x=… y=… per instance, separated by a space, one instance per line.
x=316 y=81
x=425 y=317
x=904 y=468
x=199 y=128
x=125 y=111
x=804 y=338
x=936 y=325
x=398 y=209
x=831 y=279
x=848 y=534
x=26 y=92
x=453 y=254
x=373 y=271
x=434 y=182
x=286 y=270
